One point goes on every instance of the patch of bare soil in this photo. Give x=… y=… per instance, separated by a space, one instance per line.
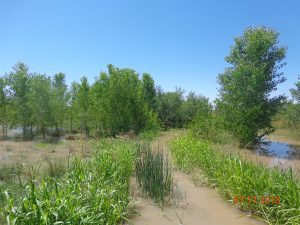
x=31 y=152
x=189 y=205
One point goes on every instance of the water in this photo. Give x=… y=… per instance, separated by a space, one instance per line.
x=278 y=150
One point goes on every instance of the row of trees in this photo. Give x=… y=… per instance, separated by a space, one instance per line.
x=118 y=101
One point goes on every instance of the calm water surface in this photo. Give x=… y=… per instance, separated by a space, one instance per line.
x=279 y=150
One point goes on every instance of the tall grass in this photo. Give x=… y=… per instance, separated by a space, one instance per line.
x=93 y=191
x=235 y=177
x=153 y=173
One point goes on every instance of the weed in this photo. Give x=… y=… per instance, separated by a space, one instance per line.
x=56 y=168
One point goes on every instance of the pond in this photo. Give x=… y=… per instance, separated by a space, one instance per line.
x=278 y=150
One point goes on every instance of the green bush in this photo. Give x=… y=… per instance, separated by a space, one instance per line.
x=207 y=125
x=236 y=177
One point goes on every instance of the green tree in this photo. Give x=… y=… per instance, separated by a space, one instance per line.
x=192 y=106
x=207 y=124
x=59 y=101
x=292 y=112
x=127 y=106
x=100 y=104
x=245 y=102
x=4 y=105
x=71 y=105
x=295 y=92
x=83 y=103
x=169 y=108
x=19 y=82
x=149 y=90
x=40 y=102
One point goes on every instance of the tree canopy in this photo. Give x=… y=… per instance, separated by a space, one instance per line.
x=245 y=94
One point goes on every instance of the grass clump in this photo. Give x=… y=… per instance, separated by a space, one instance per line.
x=56 y=168
x=93 y=191
x=153 y=173
x=235 y=177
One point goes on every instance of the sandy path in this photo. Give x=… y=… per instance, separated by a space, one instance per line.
x=194 y=206
x=200 y=206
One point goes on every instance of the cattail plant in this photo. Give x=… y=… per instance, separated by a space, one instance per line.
x=154 y=173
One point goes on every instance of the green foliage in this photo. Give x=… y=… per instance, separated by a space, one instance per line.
x=126 y=104
x=236 y=177
x=149 y=90
x=118 y=101
x=192 y=106
x=4 y=105
x=19 y=82
x=59 y=101
x=291 y=114
x=83 y=105
x=169 y=105
x=94 y=191
x=40 y=102
x=295 y=92
x=245 y=102
x=154 y=173
x=207 y=124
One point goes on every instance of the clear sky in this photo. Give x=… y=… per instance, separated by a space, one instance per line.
x=180 y=43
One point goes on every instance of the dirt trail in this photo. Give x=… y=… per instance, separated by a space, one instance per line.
x=193 y=205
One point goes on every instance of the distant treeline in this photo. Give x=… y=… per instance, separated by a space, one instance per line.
x=119 y=100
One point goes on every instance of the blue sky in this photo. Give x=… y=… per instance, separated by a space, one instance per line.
x=180 y=43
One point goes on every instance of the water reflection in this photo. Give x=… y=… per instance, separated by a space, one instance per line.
x=279 y=150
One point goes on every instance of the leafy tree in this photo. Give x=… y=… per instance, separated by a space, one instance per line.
x=292 y=111
x=71 y=104
x=100 y=104
x=169 y=108
x=40 y=102
x=295 y=92
x=19 y=82
x=84 y=105
x=4 y=105
x=207 y=124
x=245 y=101
x=59 y=101
x=149 y=90
x=192 y=106
x=126 y=103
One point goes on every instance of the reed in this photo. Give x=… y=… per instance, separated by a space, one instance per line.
x=154 y=173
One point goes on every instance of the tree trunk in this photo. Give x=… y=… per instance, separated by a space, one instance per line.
x=3 y=130
x=71 y=124
x=44 y=135
x=24 y=132
x=31 y=132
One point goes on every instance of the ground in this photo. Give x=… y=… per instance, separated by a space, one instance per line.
x=190 y=204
